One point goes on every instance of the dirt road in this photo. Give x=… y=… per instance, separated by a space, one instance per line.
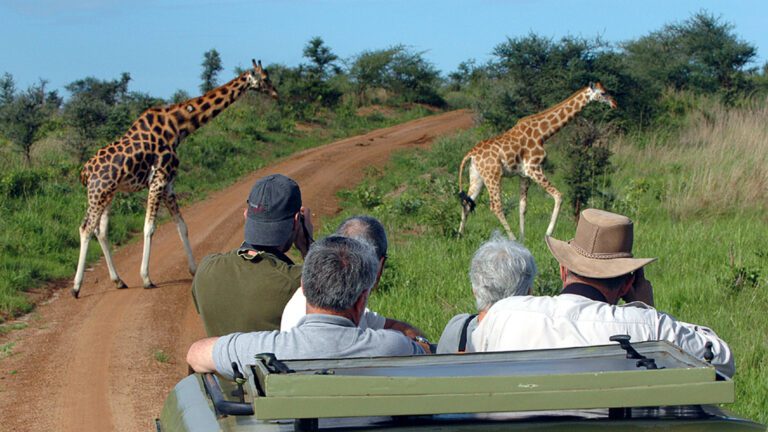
x=92 y=364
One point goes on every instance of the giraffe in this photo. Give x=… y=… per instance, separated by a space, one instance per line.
x=520 y=151
x=145 y=157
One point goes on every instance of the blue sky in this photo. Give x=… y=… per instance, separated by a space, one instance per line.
x=161 y=42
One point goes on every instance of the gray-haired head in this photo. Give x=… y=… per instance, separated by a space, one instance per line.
x=336 y=271
x=500 y=268
x=366 y=228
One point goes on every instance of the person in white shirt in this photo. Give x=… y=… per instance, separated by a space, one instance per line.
x=598 y=269
x=371 y=231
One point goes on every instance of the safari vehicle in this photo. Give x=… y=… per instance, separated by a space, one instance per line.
x=628 y=386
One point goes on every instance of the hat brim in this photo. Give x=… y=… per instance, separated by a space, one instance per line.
x=592 y=267
x=262 y=233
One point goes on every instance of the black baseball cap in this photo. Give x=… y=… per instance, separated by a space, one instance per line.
x=273 y=202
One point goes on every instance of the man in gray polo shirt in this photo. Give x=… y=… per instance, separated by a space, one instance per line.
x=337 y=277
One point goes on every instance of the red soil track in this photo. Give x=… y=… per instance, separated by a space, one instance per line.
x=88 y=364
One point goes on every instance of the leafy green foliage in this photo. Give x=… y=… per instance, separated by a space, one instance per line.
x=23 y=115
x=587 y=166
x=701 y=54
x=99 y=111
x=398 y=70
x=211 y=68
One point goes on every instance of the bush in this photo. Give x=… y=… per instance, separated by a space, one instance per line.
x=19 y=183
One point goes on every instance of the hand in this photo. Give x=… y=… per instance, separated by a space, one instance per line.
x=304 y=231
x=641 y=289
x=424 y=343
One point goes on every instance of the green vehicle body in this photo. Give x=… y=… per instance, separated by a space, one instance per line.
x=638 y=386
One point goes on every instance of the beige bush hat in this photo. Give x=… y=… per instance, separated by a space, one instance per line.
x=602 y=247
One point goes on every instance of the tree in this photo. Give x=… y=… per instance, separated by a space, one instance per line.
x=701 y=54
x=94 y=112
x=466 y=74
x=588 y=163
x=7 y=89
x=211 y=68
x=414 y=78
x=22 y=115
x=179 y=96
x=322 y=60
x=369 y=70
x=315 y=75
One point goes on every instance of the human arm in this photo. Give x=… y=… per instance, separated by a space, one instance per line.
x=402 y=327
x=200 y=355
x=425 y=345
x=693 y=339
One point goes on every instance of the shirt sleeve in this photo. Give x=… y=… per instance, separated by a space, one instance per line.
x=293 y=311
x=449 y=340
x=240 y=348
x=693 y=338
x=373 y=320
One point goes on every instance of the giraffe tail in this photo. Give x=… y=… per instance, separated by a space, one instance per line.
x=466 y=200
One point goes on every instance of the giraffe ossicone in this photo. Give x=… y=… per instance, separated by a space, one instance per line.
x=145 y=157
x=520 y=151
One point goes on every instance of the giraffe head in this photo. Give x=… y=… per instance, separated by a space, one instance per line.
x=596 y=92
x=258 y=80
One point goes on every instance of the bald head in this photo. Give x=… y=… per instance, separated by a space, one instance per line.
x=365 y=228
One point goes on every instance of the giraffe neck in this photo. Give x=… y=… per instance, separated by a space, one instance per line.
x=553 y=119
x=190 y=115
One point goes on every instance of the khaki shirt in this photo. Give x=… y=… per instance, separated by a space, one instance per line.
x=235 y=292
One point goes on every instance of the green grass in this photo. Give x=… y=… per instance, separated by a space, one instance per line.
x=4 y=329
x=6 y=349
x=161 y=356
x=712 y=268
x=41 y=207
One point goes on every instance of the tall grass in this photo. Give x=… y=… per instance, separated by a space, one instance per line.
x=719 y=160
x=713 y=261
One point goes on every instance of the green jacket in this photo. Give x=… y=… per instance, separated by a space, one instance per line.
x=235 y=292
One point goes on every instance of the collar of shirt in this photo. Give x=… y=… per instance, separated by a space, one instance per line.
x=245 y=248
x=323 y=319
x=585 y=290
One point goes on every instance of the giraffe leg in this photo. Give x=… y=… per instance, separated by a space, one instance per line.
x=169 y=199
x=475 y=187
x=101 y=235
x=154 y=196
x=86 y=230
x=537 y=175
x=524 y=183
x=493 y=182
x=98 y=201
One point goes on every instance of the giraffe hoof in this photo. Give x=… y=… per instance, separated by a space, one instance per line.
x=120 y=284
x=75 y=293
x=150 y=286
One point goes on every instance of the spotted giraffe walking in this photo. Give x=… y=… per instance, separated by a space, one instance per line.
x=520 y=150
x=145 y=157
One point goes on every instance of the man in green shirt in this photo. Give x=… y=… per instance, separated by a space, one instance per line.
x=245 y=290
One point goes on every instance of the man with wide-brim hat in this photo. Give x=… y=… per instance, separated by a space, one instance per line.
x=246 y=289
x=598 y=270
x=598 y=261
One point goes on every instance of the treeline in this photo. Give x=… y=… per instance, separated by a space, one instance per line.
x=701 y=55
x=527 y=74
x=98 y=111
